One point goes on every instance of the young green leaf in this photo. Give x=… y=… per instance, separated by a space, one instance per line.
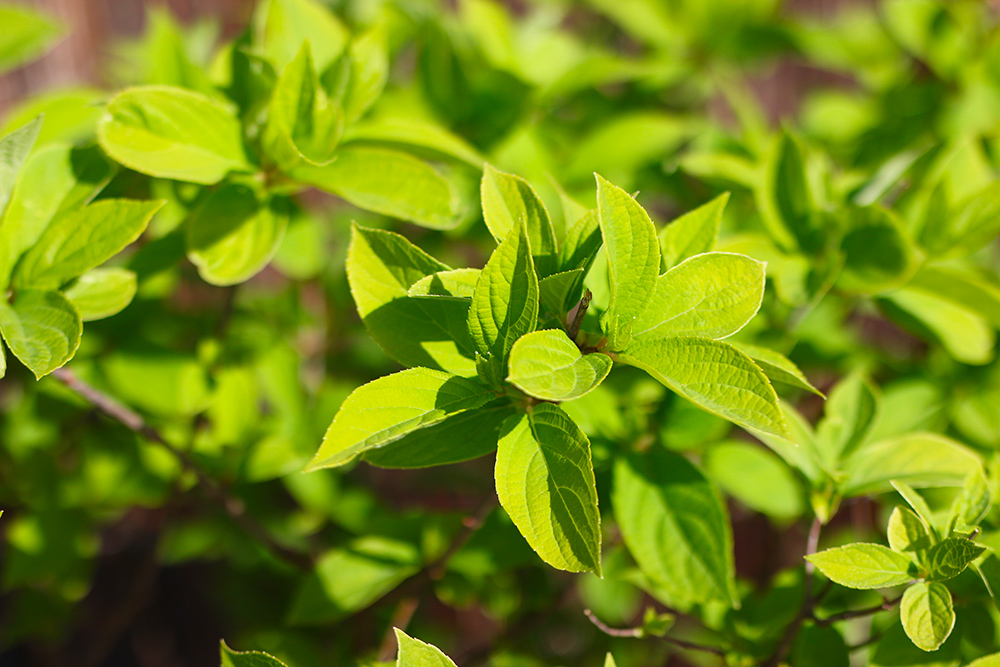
x=691 y=234
x=42 y=329
x=387 y=182
x=381 y=267
x=548 y=365
x=907 y=531
x=583 y=241
x=301 y=123
x=559 y=292
x=455 y=283
x=460 y=437
x=72 y=177
x=234 y=234
x=712 y=295
x=949 y=557
x=231 y=658
x=715 y=376
x=633 y=260
x=504 y=304
x=917 y=502
x=851 y=413
x=14 y=150
x=509 y=199
x=609 y=661
x=776 y=366
x=26 y=35
x=282 y=26
x=992 y=660
x=101 y=293
x=415 y=653
x=973 y=503
x=173 y=133
x=545 y=481
x=864 y=566
x=675 y=526
x=83 y=240
x=388 y=408
x=927 y=614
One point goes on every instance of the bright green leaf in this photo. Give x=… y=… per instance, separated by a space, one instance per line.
x=545 y=481
x=965 y=334
x=878 y=255
x=101 y=293
x=83 y=240
x=419 y=136
x=864 y=566
x=456 y=283
x=415 y=653
x=504 y=304
x=282 y=27
x=907 y=531
x=693 y=233
x=851 y=413
x=234 y=234
x=633 y=260
x=973 y=503
x=26 y=35
x=560 y=292
x=972 y=224
x=369 y=71
x=548 y=365
x=713 y=374
x=42 y=329
x=509 y=199
x=949 y=557
x=976 y=292
x=14 y=150
x=676 y=526
x=918 y=459
x=776 y=366
x=992 y=660
x=388 y=182
x=712 y=295
x=927 y=614
x=388 y=408
x=756 y=477
x=231 y=658
x=173 y=133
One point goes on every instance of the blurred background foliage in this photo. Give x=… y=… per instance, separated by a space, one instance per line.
x=810 y=112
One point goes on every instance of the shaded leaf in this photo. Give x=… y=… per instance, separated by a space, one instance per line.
x=101 y=293
x=693 y=233
x=42 y=329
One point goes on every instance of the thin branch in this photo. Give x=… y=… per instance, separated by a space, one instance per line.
x=886 y=605
x=401 y=617
x=637 y=633
x=581 y=310
x=470 y=525
x=808 y=601
x=231 y=505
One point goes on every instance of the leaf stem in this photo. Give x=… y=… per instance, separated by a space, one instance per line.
x=231 y=505
x=637 y=633
x=886 y=605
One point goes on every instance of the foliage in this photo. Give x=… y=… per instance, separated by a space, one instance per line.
x=417 y=250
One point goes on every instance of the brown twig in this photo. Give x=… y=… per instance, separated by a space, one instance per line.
x=637 y=633
x=400 y=619
x=808 y=601
x=581 y=311
x=232 y=506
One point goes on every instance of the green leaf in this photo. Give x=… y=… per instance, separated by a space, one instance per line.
x=970 y=225
x=633 y=260
x=851 y=413
x=415 y=135
x=504 y=304
x=57 y=179
x=560 y=292
x=415 y=331
x=992 y=660
x=907 y=531
x=583 y=241
x=973 y=503
x=949 y=557
x=609 y=661
x=927 y=615
x=173 y=133
x=917 y=502
x=918 y=459
x=415 y=653
x=459 y=437
x=388 y=408
x=693 y=233
x=786 y=199
x=369 y=53
x=101 y=293
x=712 y=295
x=82 y=240
x=42 y=329
x=26 y=35
x=14 y=150
x=715 y=376
x=283 y=26
x=545 y=481
x=302 y=124
x=456 y=283
x=755 y=477
x=966 y=336
x=776 y=366
x=509 y=199
x=388 y=182
x=878 y=254
x=895 y=649
x=976 y=292
x=234 y=234
x=864 y=566
x=818 y=646
x=676 y=526
x=231 y=658
x=548 y=365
